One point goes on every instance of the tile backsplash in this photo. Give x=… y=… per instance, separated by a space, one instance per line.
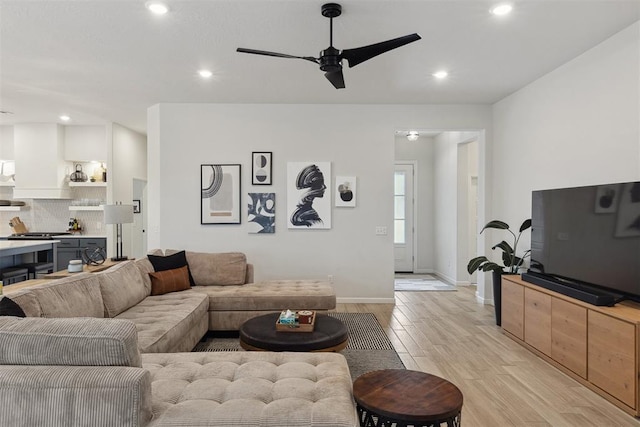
x=54 y=214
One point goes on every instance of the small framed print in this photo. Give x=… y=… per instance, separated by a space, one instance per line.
x=261 y=167
x=220 y=194
x=137 y=206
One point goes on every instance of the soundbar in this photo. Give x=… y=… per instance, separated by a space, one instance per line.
x=579 y=291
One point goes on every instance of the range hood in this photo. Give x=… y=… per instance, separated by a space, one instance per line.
x=41 y=171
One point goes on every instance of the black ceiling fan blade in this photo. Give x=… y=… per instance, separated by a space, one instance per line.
x=277 y=55
x=336 y=78
x=364 y=53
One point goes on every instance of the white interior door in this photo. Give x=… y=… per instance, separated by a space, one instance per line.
x=139 y=227
x=403 y=229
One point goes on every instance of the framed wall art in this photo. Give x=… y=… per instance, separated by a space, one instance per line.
x=261 y=167
x=261 y=213
x=137 y=208
x=607 y=198
x=628 y=220
x=309 y=195
x=345 y=190
x=220 y=194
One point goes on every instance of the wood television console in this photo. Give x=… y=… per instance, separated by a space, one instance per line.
x=597 y=346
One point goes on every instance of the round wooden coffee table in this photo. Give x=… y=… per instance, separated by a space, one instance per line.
x=259 y=333
x=402 y=397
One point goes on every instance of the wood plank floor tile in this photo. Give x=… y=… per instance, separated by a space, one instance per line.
x=451 y=335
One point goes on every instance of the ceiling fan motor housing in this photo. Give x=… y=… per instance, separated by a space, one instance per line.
x=330 y=60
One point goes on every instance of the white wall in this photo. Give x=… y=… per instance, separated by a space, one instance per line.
x=421 y=151
x=357 y=139
x=127 y=159
x=578 y=125
x=448 y=264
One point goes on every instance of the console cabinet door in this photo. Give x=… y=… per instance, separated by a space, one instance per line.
x=513 y=308
x=569 y=335
x=537 y=320
x=611 y=356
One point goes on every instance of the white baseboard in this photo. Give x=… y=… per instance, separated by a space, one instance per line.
x=484 y=301
x=348 y=300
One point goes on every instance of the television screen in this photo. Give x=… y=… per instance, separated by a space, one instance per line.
x=589 y=234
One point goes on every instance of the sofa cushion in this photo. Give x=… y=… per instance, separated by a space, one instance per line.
x=72 y=342
x=145 y=267
x=122 y=287
x=170 y=262
x=271 y=295
x=165 y=323
x=163 y=282
x=251 y=389
x=224 y=268
x=96 y=396
x=74 y=296
x=27 y=301
x=9 y=307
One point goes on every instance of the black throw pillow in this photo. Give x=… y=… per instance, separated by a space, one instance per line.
x=9 y=307
x=171 y=262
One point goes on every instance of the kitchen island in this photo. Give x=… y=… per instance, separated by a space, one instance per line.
x=16 y=252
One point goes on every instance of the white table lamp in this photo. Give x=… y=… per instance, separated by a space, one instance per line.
x=118 y=214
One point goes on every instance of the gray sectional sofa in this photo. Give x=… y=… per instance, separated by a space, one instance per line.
x=101 y=350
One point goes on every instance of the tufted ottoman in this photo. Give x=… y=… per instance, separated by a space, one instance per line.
x=232 y=305
x=257 y=389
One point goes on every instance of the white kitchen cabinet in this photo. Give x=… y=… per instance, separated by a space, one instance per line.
x=6 y=143
x=85 y=143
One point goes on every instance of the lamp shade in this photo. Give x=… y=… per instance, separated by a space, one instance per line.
x=118 y=214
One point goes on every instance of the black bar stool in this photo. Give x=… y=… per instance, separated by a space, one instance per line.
x=12 y=275
x=35 y=268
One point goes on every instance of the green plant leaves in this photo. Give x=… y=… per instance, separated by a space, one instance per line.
x=525 y=225
x=500 y=225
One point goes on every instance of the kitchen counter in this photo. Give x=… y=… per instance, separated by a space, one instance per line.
x=14 y=252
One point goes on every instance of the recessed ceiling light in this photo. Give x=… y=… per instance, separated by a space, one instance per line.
x=413 y=135
x=65 y=118
x=502 y=9
x=157 y=7
x=205 y=74
x=440 y=74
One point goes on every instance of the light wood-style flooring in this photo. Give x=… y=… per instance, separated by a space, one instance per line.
x=450 y=335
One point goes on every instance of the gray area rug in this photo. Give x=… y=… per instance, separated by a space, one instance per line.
x=423 y=282
x=368 y=349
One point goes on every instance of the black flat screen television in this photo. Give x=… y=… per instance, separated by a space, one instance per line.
x=587 y=240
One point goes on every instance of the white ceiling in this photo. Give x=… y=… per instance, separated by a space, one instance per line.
x=110 y=60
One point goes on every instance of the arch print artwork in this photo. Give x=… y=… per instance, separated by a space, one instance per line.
x=220 y=194
x=309 y=195
x=261 y=167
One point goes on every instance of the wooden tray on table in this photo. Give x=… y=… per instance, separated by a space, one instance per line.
x=296 y=327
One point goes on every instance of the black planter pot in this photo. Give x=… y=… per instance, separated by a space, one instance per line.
x=497 y=295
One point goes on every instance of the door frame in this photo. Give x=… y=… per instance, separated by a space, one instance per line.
x=414 y=229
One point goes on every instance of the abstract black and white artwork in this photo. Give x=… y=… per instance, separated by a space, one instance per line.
x=220 y=194
x=261 y=213
x=628 y=221
x=309 y=195
x=345 y=190
x=607 y=198
x=261 y=168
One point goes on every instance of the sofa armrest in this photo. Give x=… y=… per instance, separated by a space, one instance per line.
x=74 y=396
x=248 y=278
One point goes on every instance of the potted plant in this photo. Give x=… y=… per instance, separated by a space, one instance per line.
x=511 y=261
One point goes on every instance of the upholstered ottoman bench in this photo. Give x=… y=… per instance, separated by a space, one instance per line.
x=251 y=389
x=231 y=305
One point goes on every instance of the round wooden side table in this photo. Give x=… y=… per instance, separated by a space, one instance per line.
x=405 y=398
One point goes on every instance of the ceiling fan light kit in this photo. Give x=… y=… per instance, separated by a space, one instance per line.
x=330 y=60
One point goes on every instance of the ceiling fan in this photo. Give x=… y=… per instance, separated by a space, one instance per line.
x=330 y=59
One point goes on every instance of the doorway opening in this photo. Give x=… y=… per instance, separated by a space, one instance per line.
x=435 y=228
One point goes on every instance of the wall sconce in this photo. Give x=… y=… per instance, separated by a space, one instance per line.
x=118 y=215
x=412 y=135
